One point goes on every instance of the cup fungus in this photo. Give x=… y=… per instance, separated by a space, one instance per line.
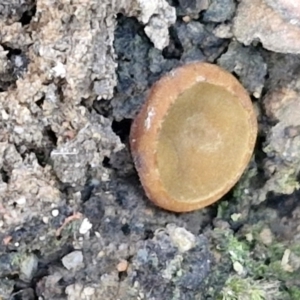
x=194 y=137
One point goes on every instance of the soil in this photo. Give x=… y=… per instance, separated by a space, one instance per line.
x=74 y=220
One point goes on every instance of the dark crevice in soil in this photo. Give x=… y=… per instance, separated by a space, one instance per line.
x=106 y=162
x=11 y=51
x=86 y=192
x=175 y=49
x=51 y=136
x=42 y=153
x=212 y=212
x=88 y=103
x=40 y=102
x=126 y=229
x=122 y=275
x=284 y=204
x=11 y=276
x=148 y=234
x=214 y=48
x=4 y=175
x=102 y=107
x=175 y=3
x=260 y=157
x=60 y=92
x=122 y=128
x=236 y=226
x=7 y=85
x=28 y=15
x=298 y=177
x=23 y=290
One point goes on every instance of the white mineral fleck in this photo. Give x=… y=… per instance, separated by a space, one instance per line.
x=85 y=226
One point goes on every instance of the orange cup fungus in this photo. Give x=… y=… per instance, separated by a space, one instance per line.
x=194 y=137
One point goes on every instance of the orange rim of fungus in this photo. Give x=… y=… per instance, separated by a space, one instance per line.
x=194 y=137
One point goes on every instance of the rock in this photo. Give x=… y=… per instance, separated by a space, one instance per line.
x=73 y=260
x=29 y=267
x=255 y=20
x=248 y=64
x=192 y=8
x=219 y=11
x=282 y=144
x=158 y=16
x=6 y=288
x=288 y=9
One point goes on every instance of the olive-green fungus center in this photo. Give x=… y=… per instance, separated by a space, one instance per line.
x=202 y=143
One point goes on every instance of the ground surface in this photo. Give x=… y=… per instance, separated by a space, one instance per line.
x=74 y=220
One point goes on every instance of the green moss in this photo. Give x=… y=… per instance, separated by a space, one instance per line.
x=237 y=288
x=262 y=272
x=285 y=181
x=237 y=250
x=239 y=202
x=295 y=249
x=245 y=181
x=294 y=293
x=17 y=258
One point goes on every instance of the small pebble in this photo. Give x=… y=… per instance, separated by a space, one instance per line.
x=181 y=238
x=235 y=217
x=122 y=265
x=285 y=261
x=72 y=260
x=266 y=236
x=238 y=268
x=186 y=19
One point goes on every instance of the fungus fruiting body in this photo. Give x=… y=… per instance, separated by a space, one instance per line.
x=193 y=137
